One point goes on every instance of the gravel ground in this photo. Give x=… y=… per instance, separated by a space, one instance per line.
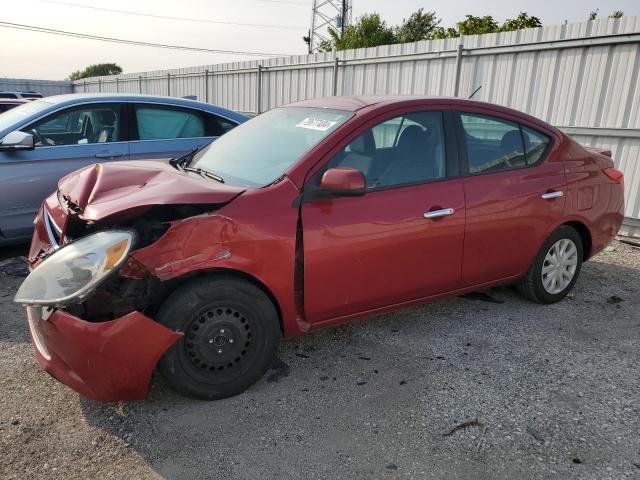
x=485 y=386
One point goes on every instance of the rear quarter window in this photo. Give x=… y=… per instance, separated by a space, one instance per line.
x=495 y=144
x=535 y=144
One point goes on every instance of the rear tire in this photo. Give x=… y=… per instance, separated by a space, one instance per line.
x=555 y=269
x=231 y=334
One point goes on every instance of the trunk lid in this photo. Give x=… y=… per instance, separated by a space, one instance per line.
x=601 y=151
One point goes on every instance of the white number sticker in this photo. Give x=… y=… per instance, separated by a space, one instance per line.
x=316 y=124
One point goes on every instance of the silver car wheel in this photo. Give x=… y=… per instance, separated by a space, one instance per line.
x=559 y=266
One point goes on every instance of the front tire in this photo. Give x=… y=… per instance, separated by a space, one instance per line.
x=555 y=269
x=231 y=334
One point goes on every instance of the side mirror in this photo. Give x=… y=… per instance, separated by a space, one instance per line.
x=17 y=140
x=343 y=181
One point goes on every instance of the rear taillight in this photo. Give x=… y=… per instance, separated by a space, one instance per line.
x=614 y=174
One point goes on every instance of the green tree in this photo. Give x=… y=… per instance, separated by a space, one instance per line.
x=593 y=15
x=368 y=31
x=521 y=21
x=472 y=25
x=419 y=26
x=617 y=14
x=441 y=32
x=96 y=70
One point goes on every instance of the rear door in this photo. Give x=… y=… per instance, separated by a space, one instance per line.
x=65 y=141
x=514 y=190
x=169 y=131
x=376 y=250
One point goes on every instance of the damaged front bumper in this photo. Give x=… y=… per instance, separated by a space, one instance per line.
x=106 y=361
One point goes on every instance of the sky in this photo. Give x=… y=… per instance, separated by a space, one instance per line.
x=27 y=54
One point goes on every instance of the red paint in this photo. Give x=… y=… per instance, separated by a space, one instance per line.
x=106 y=361
x=102 y=190
x=361 y=254
x=342 y=179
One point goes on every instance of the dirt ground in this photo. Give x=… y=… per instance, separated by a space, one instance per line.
x=481 y=387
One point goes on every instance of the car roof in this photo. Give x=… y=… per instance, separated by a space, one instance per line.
x=14 y=100
x=374 y=102
x=357 y=102
x=78 y=98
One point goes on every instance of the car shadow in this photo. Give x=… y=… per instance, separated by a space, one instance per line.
x=365 y=399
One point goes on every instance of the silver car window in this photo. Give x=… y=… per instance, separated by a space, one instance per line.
x=85 y=124
x=159 y=122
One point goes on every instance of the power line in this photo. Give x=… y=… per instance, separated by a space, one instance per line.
x=305 y=4
x=64 y=33
x=167 y=17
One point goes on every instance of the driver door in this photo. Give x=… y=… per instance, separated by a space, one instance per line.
x=369 y=252
x=64 y=141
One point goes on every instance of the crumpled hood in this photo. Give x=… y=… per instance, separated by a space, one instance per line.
x=103 y=189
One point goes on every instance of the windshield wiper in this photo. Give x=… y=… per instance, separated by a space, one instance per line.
x=204 y=173
x=186 y=158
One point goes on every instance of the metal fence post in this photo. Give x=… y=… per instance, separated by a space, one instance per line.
x=84 y=86
x=117 y=85
x=140 y=84
x=168 y=84
x=206 y=86
x=336 y=66
x=456 y=90
x=99 y=85
x=259 y=96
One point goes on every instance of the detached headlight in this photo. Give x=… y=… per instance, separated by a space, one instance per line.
x=73 y=272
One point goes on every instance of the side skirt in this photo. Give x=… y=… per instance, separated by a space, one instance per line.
x=397 y=306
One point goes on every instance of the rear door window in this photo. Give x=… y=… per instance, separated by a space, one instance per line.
x=166 y=122
x=492 y=144
x=495 y=144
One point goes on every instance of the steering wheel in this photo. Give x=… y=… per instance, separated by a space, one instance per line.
x=42 y=140
x=39 y=138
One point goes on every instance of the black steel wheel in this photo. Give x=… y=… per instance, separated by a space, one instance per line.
x=231 y=333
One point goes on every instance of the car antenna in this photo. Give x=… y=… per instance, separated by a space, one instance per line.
x=474 y=92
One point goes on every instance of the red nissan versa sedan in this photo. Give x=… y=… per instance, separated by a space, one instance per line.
x=306 y=216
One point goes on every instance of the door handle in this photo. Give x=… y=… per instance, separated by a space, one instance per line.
x=439 y=213
x=108 y=155
x=550 y=195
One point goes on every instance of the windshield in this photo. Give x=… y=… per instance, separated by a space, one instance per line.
x=9 y=118
x=259 y=151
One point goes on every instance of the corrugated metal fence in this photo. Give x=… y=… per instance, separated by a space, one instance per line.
x=45 y=87
x=581 y=77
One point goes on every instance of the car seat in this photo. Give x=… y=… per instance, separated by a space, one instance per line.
x=415 y=159
x=361 y=153
x=106 y=131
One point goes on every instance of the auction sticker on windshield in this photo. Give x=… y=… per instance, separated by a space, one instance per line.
x=316 y=124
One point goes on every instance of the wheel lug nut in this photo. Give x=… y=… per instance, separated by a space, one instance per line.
x=219 y=350
x=222 y=330
x=211 y=340
x=231 y=340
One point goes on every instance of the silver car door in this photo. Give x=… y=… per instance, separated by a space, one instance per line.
x=64 y=141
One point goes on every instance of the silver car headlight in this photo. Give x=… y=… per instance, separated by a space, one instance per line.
x=73 y=272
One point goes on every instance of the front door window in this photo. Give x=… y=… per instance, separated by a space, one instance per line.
x=88 y=124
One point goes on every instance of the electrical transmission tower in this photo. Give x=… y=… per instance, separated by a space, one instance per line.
x=325 y=14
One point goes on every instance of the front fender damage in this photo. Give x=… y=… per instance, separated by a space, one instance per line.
x=188 y=245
